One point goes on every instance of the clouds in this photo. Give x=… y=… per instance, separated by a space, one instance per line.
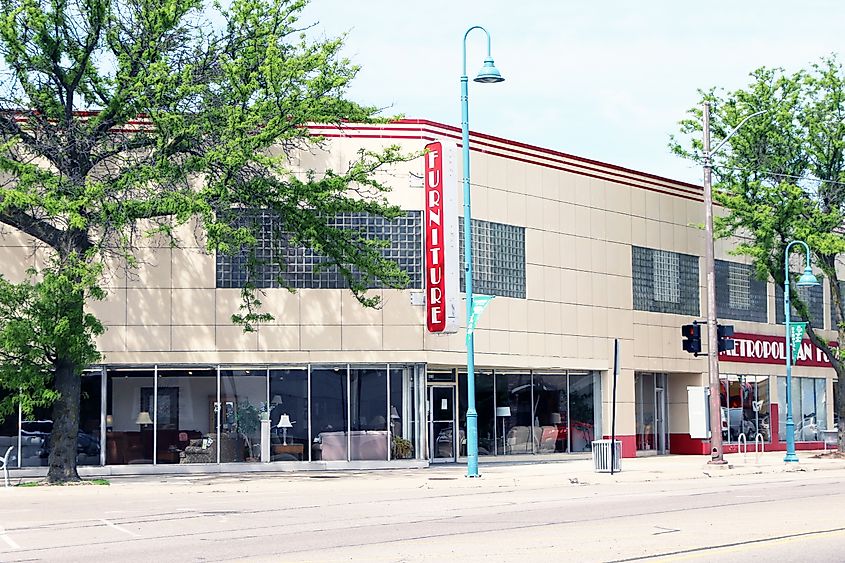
x=607 y=80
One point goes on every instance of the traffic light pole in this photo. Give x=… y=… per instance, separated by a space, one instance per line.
x=717 y=456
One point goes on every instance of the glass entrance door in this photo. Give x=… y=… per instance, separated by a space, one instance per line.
x=652 y=430
x=442 y=423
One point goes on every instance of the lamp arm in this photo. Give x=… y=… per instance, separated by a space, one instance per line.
x=733 y=132
x=464 y=62
x=786 y=253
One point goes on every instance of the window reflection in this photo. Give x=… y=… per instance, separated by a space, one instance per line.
x=329 y=396
x=289 y=415
x=808 y=408
x=369 y=414
x=745 y=407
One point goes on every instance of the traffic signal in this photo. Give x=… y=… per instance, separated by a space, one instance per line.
x=692 y=338
x=725 y=335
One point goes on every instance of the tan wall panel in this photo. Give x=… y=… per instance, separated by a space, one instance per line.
x=111 y=310
x=192 y=307
x=113 y=340
x=407 y=337
x=148 y=338
x=353 y=313
x=275 y=337
x=193 y=338
x=517 y=209
x=365 y=337
x=14 y=262
x=282 y=304
x=148 y=307
x=232 y=337
x=316 y=337
x=193 y=268
x=497 y=206
x=320 y=306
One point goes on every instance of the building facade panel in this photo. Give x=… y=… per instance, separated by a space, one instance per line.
x=577 y=252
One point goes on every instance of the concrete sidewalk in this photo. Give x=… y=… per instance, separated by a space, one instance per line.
x=667 y=468
x=578 y=470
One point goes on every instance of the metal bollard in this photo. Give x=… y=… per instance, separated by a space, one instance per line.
x=742 y=441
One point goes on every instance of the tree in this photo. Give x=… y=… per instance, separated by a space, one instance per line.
x=782 y=178
x=126 y=118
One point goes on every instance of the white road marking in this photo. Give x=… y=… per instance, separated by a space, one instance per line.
x=9 y=541
x=119 y=528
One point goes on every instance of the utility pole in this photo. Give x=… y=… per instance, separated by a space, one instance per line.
x=717 y=455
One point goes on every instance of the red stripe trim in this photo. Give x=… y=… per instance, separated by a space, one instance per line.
x=680 y=189
x=623 y=181
x=509 y=142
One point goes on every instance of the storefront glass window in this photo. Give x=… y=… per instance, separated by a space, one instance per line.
x=403 y=420
x=129 y=428
x=186 y=425
x=552 y=413
x=243 y=394
x=745 y=407
x=808 y=408
x=581 y=412
x=369 y=413
x=288 y=409
x=514 y=397
x=329 y=414
x=484 y=407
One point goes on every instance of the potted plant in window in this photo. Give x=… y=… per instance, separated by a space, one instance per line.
x=402 y=448
x=248 y=422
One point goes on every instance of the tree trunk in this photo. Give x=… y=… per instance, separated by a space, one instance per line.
x=63 y=440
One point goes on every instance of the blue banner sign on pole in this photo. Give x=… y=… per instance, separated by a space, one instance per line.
x=479 y=303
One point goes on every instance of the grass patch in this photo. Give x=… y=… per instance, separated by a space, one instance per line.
x=100 y=482
x=30 y=484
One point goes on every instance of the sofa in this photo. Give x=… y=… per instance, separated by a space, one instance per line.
x=137 y=447
x=364 y=444
x=204 y=450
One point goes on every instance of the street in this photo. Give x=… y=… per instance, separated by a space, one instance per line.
x=526 y=512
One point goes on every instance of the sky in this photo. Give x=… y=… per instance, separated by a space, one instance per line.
x=601 y=79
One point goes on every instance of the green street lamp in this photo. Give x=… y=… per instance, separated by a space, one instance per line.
x=488 y=74
x=807 y=279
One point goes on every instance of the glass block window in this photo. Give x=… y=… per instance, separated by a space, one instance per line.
x=739 y=294
x=833 y=305
x=404 y=235
x=498 y=259
x=813 y=297
x=665 y=282
x=667 y=272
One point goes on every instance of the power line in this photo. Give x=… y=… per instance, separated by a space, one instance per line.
x=782 y=175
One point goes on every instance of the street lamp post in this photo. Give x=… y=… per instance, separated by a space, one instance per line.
x=807 y=279
x=716 y=450
x=488 y=74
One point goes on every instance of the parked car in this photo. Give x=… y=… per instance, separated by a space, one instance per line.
x=38 y=433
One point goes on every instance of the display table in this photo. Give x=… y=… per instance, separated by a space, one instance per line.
x=295 y=450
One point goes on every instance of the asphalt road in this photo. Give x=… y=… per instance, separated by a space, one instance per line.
x=513 y=513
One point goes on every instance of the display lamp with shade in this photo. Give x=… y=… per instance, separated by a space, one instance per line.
x=143 y=419
x=277 y=400
x=503 y=413
x=284 y=424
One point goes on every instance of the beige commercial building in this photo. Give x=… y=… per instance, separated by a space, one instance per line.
x=578 y=253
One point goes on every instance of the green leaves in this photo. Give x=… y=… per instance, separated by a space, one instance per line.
x=780 y=178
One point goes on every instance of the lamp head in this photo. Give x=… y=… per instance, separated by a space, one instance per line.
x=489 y=74
x=807 y=279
